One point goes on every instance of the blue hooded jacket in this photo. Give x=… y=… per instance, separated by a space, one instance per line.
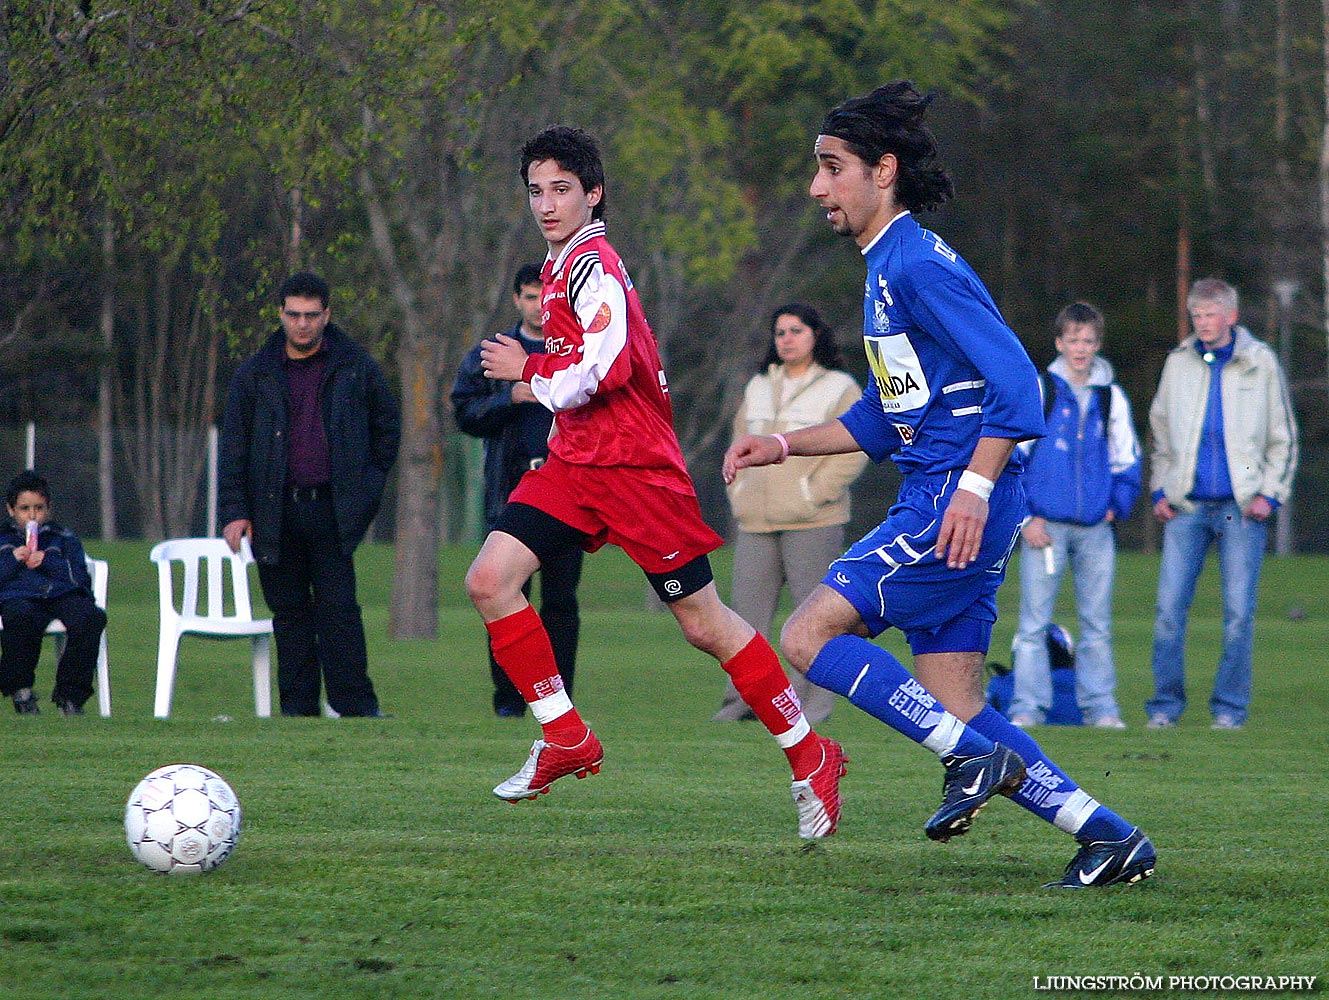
x=1087 y=463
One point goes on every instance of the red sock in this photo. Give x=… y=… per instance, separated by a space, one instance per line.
x=521 y=647
x=763 y=686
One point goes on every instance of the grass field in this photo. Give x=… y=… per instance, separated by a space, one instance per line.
x=375 y=862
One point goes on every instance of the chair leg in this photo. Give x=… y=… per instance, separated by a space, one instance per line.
x=103 y=679
x=262 y=676
x=167 y=649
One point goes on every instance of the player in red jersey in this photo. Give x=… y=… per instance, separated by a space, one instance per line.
x=615 y=474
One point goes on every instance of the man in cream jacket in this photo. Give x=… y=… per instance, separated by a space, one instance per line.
x=1224 y=456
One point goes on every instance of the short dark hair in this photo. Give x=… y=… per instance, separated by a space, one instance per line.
x=305 y=285
x=825 y=351
x=890 y=120
x=1080 y=312
x=573 y=149
x=28 y=481
x=527 y=274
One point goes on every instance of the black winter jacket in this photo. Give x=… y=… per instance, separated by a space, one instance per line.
x=64 y=569
x=514 y=433
x=363 y=426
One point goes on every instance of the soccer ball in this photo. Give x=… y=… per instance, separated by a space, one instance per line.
x=182 y=819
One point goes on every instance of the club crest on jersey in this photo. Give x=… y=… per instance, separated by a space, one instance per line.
x=602 y=319
x=906 y=433
x=881 y=321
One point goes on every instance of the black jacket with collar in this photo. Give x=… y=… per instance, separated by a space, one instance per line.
x=515 y=434
x=363 y=427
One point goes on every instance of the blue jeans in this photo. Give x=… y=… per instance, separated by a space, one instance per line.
x=1090 y=552
x=1186 y=540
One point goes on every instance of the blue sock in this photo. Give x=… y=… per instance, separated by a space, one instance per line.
x=1047 y=792
x=875 y=681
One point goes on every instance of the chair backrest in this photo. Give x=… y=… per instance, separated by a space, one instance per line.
x=100 y=571
x=217 y=559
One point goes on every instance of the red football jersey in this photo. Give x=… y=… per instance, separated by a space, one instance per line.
x=601 y=373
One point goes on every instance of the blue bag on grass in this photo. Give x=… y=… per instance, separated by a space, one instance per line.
x=1064 y=710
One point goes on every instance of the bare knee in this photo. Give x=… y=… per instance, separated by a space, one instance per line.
x=800 y=642
x=710 y=625
x=488 y=587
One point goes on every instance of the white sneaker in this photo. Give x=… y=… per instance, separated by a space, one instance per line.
x=1160 y=721
x=1024 y=721
x=1108 y=722
x=547 y=763
x=818 y=795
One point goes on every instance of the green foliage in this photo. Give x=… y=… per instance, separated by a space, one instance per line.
x=375 y=863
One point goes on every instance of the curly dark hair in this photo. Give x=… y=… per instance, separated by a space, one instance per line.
x=890 y=120
x=825 y=351
x=575 y=151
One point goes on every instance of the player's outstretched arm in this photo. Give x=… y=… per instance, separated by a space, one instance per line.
x=830 y=438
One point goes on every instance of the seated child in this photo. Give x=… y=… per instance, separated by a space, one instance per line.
x=44 y=576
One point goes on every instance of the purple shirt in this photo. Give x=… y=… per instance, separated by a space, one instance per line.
x=306 y=439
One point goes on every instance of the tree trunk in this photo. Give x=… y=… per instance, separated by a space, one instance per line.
x=1324 y=179
x=105 y=388
x=414 y=608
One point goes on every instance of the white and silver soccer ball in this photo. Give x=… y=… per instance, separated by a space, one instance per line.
x=182 y=819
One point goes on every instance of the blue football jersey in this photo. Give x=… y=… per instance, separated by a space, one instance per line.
x=946 y=369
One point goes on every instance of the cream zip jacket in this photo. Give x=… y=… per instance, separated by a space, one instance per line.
x=803 y=491
x=1259 y=427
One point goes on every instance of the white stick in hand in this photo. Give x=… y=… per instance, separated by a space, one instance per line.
x=32 y=536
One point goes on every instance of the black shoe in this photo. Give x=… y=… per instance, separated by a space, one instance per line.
x=25 y=702
x=968 y=784
x=1109 y=862
x=67 y=707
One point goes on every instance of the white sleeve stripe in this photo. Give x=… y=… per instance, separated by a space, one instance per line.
x=958 y=386
x=574 y=385
x=582 y=268
x=1123 y=444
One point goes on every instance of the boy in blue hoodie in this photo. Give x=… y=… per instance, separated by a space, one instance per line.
x=1081 y=478
x=44 y=576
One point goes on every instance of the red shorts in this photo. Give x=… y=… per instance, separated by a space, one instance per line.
x=660 y=528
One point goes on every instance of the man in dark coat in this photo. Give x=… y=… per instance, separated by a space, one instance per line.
x=310 y=432
x=515 y=429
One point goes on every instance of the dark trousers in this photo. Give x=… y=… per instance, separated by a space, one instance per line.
x=315 y=617
x=559 y=577
x=25 y=620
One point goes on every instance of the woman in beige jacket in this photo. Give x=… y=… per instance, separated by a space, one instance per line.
x=791 y=516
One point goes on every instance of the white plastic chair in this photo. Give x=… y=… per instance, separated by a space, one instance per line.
x=100 y=571
x=216 y=557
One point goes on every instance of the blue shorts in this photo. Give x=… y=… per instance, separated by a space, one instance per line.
x=893 y=580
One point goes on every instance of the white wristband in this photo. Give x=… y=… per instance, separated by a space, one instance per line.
x=978 y=485
x=784 y=447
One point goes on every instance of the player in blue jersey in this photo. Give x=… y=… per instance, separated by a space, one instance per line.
x=952 y=392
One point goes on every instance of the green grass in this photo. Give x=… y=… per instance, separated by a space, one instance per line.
x=375 y=862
